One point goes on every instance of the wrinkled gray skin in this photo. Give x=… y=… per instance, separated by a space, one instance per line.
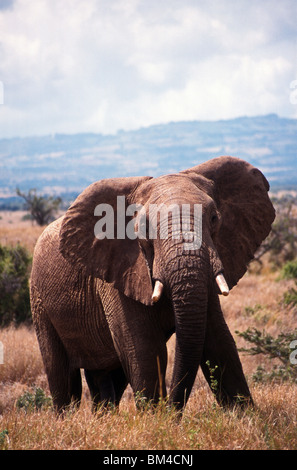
x=92 y=299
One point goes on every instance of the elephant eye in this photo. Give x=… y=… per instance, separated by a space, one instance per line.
x=214 y=222
x=214 y=219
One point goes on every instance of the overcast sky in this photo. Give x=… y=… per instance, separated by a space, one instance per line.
x=101 y=65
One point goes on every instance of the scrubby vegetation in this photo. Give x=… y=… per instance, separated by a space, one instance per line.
x=15 y=262
x=281 y=244
x=33 y=400
x=279 y=347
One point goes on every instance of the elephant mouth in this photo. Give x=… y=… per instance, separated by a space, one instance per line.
x=220 y=280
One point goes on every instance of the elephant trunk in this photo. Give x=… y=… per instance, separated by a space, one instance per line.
x=190 y=325
x=194 y=275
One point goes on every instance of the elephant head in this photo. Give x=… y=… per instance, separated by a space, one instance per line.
x=235 y=216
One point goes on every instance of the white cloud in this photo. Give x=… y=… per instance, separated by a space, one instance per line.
x=101 y=65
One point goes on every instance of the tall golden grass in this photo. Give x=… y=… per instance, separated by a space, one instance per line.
x=14 y=230
x=272 y=424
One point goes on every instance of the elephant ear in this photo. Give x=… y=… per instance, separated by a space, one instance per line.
x=241 y=195
x=117 y=259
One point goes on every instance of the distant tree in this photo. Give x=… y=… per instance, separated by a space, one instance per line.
x=41 y=208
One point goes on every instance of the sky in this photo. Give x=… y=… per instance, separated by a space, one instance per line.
x=69 y=66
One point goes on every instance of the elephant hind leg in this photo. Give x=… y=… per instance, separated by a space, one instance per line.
x=106 y=387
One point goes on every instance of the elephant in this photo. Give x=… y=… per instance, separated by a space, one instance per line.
x=107 y=299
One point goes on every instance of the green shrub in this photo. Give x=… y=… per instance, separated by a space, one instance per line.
x=3 y=439
x=281 y=243
x=289 y=270
x=33 y=401
x=274 y=348
x=290 y=297
x=14 y=285
x=278 y=374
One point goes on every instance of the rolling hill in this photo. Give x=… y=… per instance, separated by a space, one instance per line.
x=65 y=164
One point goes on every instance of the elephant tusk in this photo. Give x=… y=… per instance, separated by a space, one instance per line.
x=158 y=289
x=223 y=286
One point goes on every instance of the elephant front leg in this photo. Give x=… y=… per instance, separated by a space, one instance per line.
x=148 y=378
x=141 y=348
x=220 y=362
x=145 y=366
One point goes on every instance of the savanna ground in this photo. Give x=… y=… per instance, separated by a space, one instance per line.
x=271 y=424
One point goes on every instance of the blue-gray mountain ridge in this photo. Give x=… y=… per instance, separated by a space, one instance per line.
x=66 y=164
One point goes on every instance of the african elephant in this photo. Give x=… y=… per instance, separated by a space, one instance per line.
x=106 y=301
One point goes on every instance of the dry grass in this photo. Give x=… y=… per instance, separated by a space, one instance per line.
x=272 y=424
x=14 y=230
x=22 y=366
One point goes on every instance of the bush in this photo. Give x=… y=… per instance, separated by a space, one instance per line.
x=275 y=348
x=4 y=439
x=281 y=244
x=290 y=297
x=34 y=401
x=289 y=270
x=14 y=285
